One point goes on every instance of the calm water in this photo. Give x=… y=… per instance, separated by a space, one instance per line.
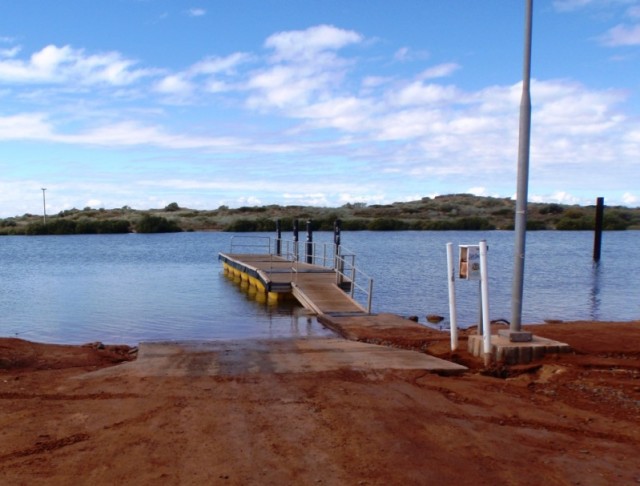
x=129 y=288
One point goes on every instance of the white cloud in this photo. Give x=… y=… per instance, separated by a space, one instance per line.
x=38 y=127
x=304 y=45
x=405 y=54
x=284 y=86
x=350 y=114
x=402 y=54
x=174 y=84
x=215 y=65
x=57 y=65
x=304 y=68
x=27 y=126
x=418 y=93
x=374 y=81
x=249 y=201
x=478 y=191
x=345 y=198
x=94 y=203
x=569 y=5
x=622 y=35
x=306 y=199
x=570 y=108
x=440 y=71
x=132 y=133
x=630 y=199
x=563 y=198
x=10 y=52
x=196 y=12
x=203 y=74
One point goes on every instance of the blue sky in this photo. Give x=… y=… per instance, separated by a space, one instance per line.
x=142 y=103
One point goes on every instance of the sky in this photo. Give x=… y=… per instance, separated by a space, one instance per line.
x=141 y=103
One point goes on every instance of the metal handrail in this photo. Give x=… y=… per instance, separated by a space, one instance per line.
x=346 y=270
x=327 y=255
x=263 y=242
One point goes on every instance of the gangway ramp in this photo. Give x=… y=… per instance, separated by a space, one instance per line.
x=320 y=293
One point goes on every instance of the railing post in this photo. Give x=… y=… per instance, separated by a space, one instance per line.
x=370 y=296
x=353 y=280
x=309 y=246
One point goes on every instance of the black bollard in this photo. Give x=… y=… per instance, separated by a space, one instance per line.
x=338 y=263
x=597 y=242
x=337 y=226
x=278 y=238
x=309 y=245
x=295 y=240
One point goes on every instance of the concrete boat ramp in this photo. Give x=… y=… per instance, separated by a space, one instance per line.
x=316 y=288
x=242 y=357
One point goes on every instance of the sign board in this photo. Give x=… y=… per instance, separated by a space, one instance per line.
x=469 y=262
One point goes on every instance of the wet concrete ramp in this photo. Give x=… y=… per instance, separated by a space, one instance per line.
x=229 y=358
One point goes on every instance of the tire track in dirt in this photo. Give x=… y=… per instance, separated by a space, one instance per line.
x=45 y=446
x=138 y=419
x=454 y=396
x=59 y=396
x=539 y=425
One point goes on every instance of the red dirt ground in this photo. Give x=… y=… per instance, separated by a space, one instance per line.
x=569 y=419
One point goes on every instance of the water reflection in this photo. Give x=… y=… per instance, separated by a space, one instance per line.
x=301 y=322
x=594 y=296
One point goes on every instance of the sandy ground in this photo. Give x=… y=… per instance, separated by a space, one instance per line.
x=569 y=419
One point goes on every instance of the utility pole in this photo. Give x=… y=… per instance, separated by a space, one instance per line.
x=44 y=206
x=515 y=329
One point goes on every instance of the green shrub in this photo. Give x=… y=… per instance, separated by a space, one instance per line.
x=534 y=225
x=614 y=221
x=113 y=226
x=572 y=223
x=241 y=226
x=8 y=223
x=156 y=224
x=471 y=223
x=355 y=224
x=552 y=208
x=388 y=224
x=504 y=212
x=574 y=213
x=84 y=226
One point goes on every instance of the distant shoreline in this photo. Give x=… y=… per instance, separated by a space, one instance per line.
x=458 y=212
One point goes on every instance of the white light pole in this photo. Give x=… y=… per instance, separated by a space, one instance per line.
x=44 y=206
x=515 y=329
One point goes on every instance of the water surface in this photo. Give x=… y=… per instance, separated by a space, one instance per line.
x=129 y=288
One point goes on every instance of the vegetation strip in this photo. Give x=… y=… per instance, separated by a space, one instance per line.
x=450 y=212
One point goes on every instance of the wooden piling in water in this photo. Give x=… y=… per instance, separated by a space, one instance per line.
x=597 y=241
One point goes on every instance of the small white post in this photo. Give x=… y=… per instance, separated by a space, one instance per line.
x=486 y=323
x=452 y=298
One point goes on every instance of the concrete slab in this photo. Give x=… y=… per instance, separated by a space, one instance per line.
x=229 y=358
x=509 y=352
